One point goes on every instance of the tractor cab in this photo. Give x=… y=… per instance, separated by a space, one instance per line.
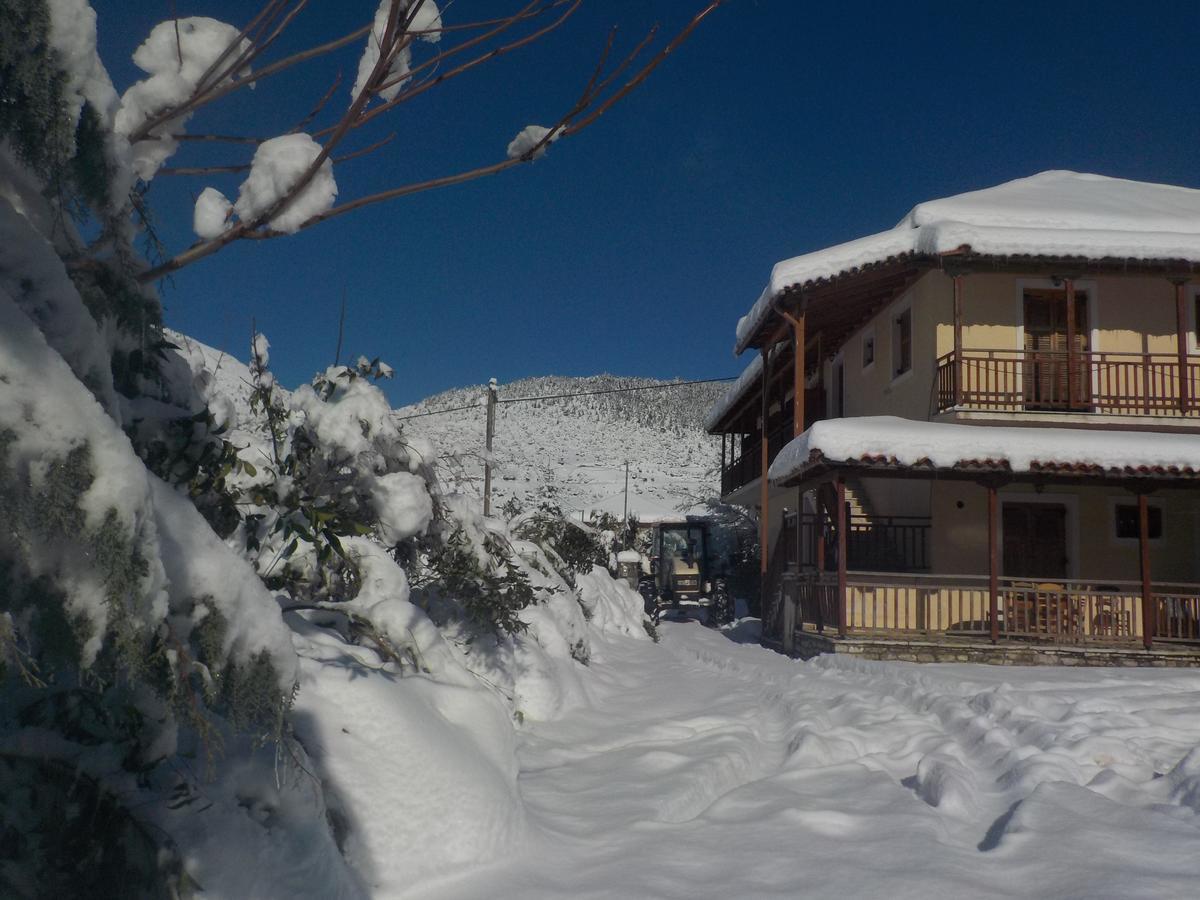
x=680 y=571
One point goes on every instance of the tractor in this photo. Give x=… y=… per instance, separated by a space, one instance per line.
x=681 y=575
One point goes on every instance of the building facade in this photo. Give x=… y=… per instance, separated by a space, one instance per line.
x=983 y=424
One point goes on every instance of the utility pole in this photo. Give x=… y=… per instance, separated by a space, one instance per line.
x=625 y=518
x=487 y=459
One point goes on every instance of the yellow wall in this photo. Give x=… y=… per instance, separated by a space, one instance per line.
x=1125 y=315
x=874 y=391
x=959 y=535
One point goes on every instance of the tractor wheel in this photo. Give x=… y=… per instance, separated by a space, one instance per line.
x=721 y=611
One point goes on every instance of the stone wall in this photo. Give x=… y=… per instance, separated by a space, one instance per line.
x=808 y=645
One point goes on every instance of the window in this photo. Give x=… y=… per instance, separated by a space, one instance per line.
x=839 y=390
x=868 y=350
x=902 y=342
x=1127 y=525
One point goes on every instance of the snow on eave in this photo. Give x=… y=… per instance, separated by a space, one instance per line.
x=751 y=375
x=906 y=443
x=1050 y=215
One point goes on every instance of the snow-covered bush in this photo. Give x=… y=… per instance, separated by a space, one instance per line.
x=575 y=546
x=171 y=576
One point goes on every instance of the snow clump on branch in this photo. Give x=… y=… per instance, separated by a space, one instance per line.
x=528 y=138
x=278 y=164
x=210 y=219
x=176 y=56
x=427 y=18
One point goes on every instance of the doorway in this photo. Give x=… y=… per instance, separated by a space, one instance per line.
x=1035 y=540
x=1049 y=360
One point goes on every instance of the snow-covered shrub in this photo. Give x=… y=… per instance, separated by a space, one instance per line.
x=576 y=546
x=486 y=589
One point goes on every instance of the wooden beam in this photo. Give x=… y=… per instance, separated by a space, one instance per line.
x=993 y=566
x=763 y=524
x=1072 y=374
x=1181 y=343
x=958 y=340
x=1148 y=616
x=798 y=368
x=841 y=560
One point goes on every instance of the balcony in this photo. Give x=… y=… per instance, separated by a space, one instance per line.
x=744 y=468
x=963 y=606
x=1119 y=384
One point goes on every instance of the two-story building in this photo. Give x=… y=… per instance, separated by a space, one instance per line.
x=981 y=428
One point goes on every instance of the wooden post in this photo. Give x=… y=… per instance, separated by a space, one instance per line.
x=798 y=377
x=820 y=591
x=993 y=566
x=1148 y=617
x=1181 y=344
x=487 y=460
x=764 y=530
x=1072 y=375
x=841 y=560
x=958 y=341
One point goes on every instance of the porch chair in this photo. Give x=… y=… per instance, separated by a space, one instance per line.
x=1111 y=619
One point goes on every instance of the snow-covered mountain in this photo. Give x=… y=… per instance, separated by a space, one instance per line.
x=572 y=450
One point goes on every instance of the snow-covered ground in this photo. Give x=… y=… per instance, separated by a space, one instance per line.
x=704 y=767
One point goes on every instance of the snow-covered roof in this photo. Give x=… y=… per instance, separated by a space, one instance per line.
x=751 y=375
x=1053 y=214
x=903 y=442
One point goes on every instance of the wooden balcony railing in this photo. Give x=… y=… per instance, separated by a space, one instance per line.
x=747 y=466
x=1070 y=612
x=1146 y=384
x=743 y=469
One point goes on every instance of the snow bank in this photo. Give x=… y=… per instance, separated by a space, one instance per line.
x=423 y=774
x=612 y=605
x=944 y=445
x=275 y=169
x=1054 y=213
x=701 y=758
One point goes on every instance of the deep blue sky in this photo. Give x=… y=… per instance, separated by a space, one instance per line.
x=780 y=128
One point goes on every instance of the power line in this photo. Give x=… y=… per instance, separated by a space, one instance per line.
x=434 y=412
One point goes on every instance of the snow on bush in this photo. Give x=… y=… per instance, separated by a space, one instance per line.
x=612 y=605
x=190 y=544
x=275 y=170
x=403 y=505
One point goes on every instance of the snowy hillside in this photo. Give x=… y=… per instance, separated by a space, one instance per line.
x=572 y=451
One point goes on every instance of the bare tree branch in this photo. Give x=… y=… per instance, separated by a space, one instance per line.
x=594 y=100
